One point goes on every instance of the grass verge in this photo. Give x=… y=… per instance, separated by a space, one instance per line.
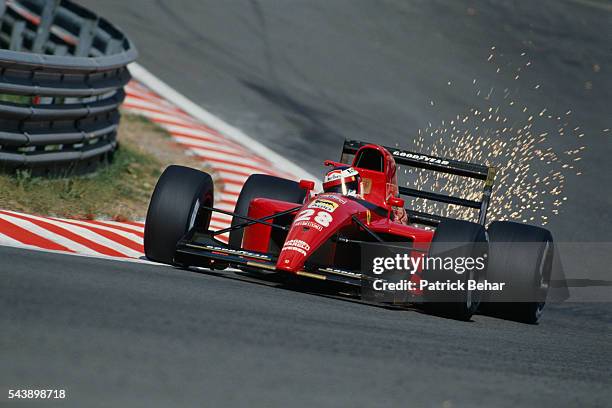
x=119 y=191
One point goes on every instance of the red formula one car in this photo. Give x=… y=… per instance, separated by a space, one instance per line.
x=281 y=226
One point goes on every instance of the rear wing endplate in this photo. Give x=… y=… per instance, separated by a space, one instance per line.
x=443 y=165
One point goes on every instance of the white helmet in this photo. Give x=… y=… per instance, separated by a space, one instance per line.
x=344 y=180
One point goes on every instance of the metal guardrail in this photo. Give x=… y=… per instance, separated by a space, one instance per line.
x=62 y=72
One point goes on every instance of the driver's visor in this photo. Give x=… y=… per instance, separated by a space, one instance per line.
x=342 y=185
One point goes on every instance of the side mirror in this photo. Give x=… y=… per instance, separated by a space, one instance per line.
x=396 y=202
x=307 y=185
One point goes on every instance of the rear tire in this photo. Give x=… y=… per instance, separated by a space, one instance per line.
x=175 y=208
x=263 y=186
x=456 y=239
x=526 y=269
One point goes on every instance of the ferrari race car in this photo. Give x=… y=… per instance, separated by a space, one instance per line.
x=283 y=227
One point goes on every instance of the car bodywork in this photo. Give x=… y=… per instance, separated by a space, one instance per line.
x=321 y=237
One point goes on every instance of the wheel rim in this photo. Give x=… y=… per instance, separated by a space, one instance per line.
x=469 y=293
x=472 y=297
x=544 y=282
x=539 y=309
x=194 y=215
x=200 y=216
x=543 y=269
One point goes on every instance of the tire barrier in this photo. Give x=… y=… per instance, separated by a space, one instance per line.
x=63 y=69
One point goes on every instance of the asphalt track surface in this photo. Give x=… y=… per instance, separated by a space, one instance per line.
x=301 y=76
x=123 y=334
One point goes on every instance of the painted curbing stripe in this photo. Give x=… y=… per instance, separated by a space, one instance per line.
x=78 y=236
x=6 y=240
x=159 y=118
x=233 y=181
x=41 y=232
x=214 y=162
x=130 y=229
x=225 y=157
x=207 y=144
x=231 y=175
x=134 y=243
x=236 y=168
x=165 y=119
x=232 y=188
x=135 y=223
x=126 y=233
x=152 y=105
x=28 y=236
x=135 y=88
x=204 y=130
x=235 y=155
x=213 y=140
x=195 y=132
x=227 y=199
x=222 y=219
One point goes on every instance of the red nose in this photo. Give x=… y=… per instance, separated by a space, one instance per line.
x=291 y=258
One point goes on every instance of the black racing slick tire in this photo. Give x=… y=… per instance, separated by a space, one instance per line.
x=262 y=186
x=456 y=239
x=175 y=208
x=521 y=256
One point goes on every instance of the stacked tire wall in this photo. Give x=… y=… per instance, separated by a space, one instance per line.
x=63 y=70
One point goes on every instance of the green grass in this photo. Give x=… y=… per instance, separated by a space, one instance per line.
x=120 y=190
x=24 y=100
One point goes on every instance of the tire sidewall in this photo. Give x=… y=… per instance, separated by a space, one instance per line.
x=521 y=256
x=179 y=193
x=262 y=186
x=456 y=238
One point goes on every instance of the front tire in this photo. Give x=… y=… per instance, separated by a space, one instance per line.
x=175 y=208
x=521 y=256
x=456 y=239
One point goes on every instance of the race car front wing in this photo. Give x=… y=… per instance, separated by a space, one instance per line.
x=203 y=249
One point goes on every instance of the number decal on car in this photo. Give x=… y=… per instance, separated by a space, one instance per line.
x=304 y=215
x=322 y=218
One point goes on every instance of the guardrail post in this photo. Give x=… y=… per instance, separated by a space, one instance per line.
x=46 y=20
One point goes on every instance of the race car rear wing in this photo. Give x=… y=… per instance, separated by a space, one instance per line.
x=428 y=162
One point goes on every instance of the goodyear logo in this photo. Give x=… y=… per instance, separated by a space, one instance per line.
x=420 y=157
x=326 y=205
x=236 y=252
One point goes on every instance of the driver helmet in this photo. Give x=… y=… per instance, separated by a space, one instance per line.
x=344 y=180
